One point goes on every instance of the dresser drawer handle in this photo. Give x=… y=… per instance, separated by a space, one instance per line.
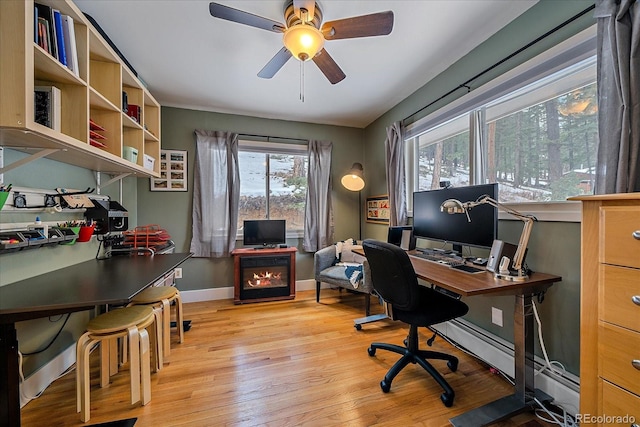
x=636 y=234
x=636 y=363
x=636 y=299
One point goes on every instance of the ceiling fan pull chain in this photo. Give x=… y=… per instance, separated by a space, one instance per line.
x=302 y=81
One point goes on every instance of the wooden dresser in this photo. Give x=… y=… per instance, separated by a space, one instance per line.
x=610 y=309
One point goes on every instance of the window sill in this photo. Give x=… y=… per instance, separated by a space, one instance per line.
x=568 y=211
x=546 y=211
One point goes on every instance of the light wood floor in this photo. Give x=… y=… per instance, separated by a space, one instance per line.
x=286 y=363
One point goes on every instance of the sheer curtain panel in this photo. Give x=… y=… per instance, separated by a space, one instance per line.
x=216 y=193
x=318 y=230
x=396 y=180
x=618 y=167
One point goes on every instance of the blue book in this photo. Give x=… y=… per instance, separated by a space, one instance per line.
x=57 y=18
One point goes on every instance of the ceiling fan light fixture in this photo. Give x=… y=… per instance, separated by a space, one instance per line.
x=303 y=41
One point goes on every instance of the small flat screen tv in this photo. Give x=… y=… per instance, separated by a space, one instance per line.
x=430 y=223
x=267 y=233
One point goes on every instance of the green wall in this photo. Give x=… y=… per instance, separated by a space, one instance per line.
x=554 y=247
x=172 y=210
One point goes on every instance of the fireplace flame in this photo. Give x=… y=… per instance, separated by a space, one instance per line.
x=264 y=279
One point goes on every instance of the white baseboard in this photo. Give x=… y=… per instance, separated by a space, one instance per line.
x=43 y=377
x=565 y=388
x=214 y=294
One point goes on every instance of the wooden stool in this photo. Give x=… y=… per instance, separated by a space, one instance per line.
x=160 y=298
x=129 y=323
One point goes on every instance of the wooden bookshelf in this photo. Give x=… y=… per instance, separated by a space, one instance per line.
x=94 y=93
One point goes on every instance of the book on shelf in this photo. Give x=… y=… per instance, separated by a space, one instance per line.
x=43 y=34
x=60 y=46
x=47 y=105
x=45 y=12
x=36 y=26
x=71 y=49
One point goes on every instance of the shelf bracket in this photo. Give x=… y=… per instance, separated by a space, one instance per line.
x=112 y=180
x=35 y=156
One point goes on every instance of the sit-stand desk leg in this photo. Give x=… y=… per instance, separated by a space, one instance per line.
x=357 y=323
x=9 y=380
x=523 y=398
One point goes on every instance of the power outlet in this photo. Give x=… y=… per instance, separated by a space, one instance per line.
x=178 y=273
x=496 y=316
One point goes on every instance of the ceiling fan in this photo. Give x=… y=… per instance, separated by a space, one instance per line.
x=303 y=37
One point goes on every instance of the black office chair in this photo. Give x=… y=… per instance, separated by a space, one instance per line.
x=395 y=281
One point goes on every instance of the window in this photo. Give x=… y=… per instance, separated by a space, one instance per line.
x=273 y=183
x=534 y=131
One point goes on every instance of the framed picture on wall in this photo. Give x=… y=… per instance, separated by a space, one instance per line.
x=378 y=209
x=173 y=171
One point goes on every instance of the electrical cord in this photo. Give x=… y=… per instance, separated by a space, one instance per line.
x=548 y=364
x=52 y=340
x=567 y=420
x=46 y=347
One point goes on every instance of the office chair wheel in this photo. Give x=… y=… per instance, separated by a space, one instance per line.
x=358 y=327
x=453 y=365
x=385 y=386
x=371 y=351
x=447 y=399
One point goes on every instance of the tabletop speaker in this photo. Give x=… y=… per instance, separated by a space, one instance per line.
x=500 y=249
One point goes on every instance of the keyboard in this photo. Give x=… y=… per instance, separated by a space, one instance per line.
x=441 y=259
x=468 y=268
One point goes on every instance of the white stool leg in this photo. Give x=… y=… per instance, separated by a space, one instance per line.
x=179 y=320
x=134 y=362
x=80 y=368
x=166 y=327
x=145 y=366
x=157 y=340
x=85 y=381
x=105 y=361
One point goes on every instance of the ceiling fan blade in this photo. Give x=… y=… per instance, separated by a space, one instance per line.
x=309 y=5
x=275 y=64
x=230 y=14
x=328 y=66
x=376 y=24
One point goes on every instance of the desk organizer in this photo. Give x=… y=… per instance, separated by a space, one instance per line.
x=69 y=234
x=12 y=241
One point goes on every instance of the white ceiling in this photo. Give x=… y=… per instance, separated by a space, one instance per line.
x=191 y=60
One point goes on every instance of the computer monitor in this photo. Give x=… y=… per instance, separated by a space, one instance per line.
x=265 y=232
x=402 y=235
x=430 y=223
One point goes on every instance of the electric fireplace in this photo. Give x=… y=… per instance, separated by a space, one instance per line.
x=264 y=274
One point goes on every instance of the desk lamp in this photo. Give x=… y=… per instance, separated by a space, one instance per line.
x=453 y=206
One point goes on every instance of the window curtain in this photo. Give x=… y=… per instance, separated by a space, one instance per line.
x=478 y=142
x=396 y=180
x=618 y=73
x=216 y=194
x=318 y=230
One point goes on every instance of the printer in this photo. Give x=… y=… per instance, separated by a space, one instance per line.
x=108 y=215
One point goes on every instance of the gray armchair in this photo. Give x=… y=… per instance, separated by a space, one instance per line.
x=327 y=271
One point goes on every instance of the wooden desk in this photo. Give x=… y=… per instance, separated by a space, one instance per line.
x=76 y=288
x=466 y=285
